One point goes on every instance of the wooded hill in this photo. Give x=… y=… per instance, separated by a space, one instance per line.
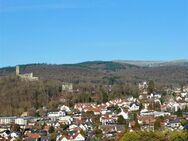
x=18 y=96
x=108 y=72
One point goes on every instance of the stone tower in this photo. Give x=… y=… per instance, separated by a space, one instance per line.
x=17 y=70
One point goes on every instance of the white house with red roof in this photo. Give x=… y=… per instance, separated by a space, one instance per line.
x=76 y=137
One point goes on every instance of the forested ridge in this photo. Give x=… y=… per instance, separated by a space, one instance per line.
x=92 y=79
x=104 y=72
x=17 y=96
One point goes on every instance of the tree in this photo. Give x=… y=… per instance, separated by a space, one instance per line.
x=181 y=87
x=82 y=133
x=121 y=120
x=98 y=133
x=151 y=86
x=179 y=113
x=53 y=136
x=184 y=122
x=141 y=107
x=157 y=124
x=43 y=125
x=51 y=130
x=104 y=97
x=131 y=136
x=178 y=136
x=15 y=127
x=157 y=106
x=115 y=109
x=185 y=109
x=88 y=114
x=136 y=126
x=155 y=136
x=162 y=99
x=64 y=126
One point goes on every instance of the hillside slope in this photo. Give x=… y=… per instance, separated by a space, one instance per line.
x=105 y=72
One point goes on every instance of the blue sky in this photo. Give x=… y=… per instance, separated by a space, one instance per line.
x=70 y=31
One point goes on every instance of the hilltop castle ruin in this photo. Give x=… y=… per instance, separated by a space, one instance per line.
x=26 y=76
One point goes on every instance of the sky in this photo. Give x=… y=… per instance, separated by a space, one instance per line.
x=72 y=31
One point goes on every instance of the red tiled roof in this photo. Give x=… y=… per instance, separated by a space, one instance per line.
x=47 y=127
x=33 y=135
x=147 y=119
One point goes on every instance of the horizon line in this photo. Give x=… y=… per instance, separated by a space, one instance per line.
x=114 y=60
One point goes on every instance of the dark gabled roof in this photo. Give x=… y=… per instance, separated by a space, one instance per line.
x=134 y=103
x=185 y=113
x=174 y=121
x=45 y=138
x=186 y=127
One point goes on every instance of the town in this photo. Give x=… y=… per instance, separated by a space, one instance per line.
x=148 y=112
x=93 y=70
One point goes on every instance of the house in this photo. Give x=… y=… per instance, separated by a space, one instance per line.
x=45 y=138
x=154 y=95
x=174 y=124
x=83 y=127
x=174 y=106
x=66 y=120
x=13 y=139
x=57 y=125
x=68 y=87
x=143 y=94
x=32 y=137
x=143 y=85
x=164 y=107
x=65 y=138
x=65 y=108
x=5 y=134
x=105 y=111
x=7 y=120
x=134 y=107
x=24 y=114
x=185 y=115
x=145 y=112
x=84 y=106
x=107 y=119
x=14 y=135
x=146 y=120
x=108 y=130
x=157 y=95
x=73 y=127
x=124 y=114
x=184 y=94
x=76 y=137
x=186 y=127
x=178 y=98
x=147 y=127
x=38 y=136
x=96 y=110
x=4 y=138
x=46 y=128
x=22 y=120
x=130 y=98
x=55 y=115
x=186 y=99
x=119 y=128
x=161 y=114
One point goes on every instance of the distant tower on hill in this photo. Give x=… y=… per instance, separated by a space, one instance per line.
x=17 y=70
x=25 y=76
